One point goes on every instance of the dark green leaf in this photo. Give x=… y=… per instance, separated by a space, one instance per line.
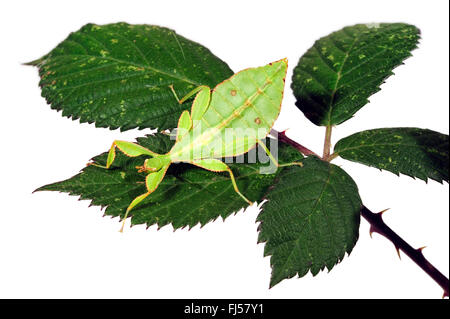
x=118 y=75
x=335 y=77
x=411 y=151
x=187 y=196
x=310 y=220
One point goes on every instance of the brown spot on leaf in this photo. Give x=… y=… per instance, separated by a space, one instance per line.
x=258 y=120
x=233 y=92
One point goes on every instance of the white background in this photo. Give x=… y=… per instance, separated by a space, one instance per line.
x=52 y=245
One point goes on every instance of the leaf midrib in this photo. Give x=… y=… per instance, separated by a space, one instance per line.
x=338 y=78
x=297 y=240
x=383 y=144
x=138 y=65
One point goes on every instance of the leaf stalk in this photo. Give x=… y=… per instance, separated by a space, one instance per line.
x=283 y=138
x=327 y=144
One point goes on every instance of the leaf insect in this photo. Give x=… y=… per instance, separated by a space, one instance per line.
x=227 y=121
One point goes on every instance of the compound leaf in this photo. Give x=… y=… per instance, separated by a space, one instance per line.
x=187 y=196
x=310 y=220
x=335 y=77
x=118 y=75
x=415 y=152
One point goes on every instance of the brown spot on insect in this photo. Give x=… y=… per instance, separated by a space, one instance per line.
x=258 y=120
x=143 y=168
x=233 y=92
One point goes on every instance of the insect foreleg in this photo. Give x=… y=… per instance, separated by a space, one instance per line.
x=193 y=92
x=152 y=182
x=174 y=93
x=203 y=95
x=201 y=101
x=216 y=165
x=273 y=159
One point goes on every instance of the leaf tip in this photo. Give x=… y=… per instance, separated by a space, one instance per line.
x=40 y=189
x=32 y=63
x=273 y=282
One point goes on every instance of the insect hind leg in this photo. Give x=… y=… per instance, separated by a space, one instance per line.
x=274 y=160
x=216 y=165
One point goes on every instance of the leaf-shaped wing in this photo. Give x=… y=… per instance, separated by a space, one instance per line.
x=186 y=197
x=118 y=75
x=311 y=219
x=411 y=151
x=242 y=110
x=335 y=77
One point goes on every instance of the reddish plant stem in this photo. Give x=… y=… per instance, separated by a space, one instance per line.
x=378 y=225
x=283 y=138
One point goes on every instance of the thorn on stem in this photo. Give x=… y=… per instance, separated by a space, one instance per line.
x=383 y=211
x=282 y=133
x=398 y=252
x=421 y=248
x=372 y=230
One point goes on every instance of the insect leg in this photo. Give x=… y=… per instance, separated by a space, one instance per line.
x=201 y=103
x=174 y=93
x=261 y=143
x=128 y=148
x=152 y=182
x=216 y=165
x=184 y=125
x=187 y=96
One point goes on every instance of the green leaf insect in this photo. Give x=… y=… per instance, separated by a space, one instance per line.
x=227 y=121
